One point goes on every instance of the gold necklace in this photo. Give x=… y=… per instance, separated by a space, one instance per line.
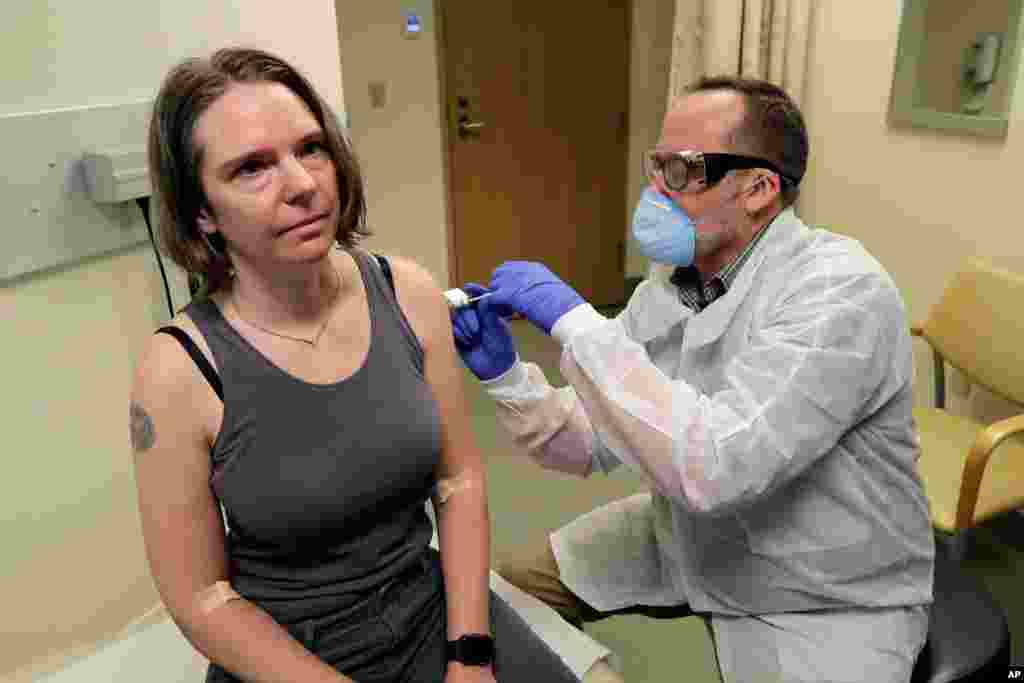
x=312 y=342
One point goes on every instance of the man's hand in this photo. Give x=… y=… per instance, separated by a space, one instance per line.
x=462 y=673
x=532 y=291
x=482 y=337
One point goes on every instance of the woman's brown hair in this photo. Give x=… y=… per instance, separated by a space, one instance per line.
x=175 y=160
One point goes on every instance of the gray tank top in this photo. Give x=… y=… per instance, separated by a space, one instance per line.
x=323 y=486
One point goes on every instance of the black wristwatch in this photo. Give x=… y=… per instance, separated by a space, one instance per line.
x=475 y=649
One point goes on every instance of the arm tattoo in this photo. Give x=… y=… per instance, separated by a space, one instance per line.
x=143 y=434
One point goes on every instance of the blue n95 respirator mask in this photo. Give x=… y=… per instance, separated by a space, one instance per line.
x=663 y=231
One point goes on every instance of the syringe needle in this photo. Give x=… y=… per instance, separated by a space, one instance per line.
x=478 y=298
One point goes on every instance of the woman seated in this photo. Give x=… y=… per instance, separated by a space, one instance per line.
x=312 y=391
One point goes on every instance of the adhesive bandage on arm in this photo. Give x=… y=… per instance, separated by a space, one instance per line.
x=217 y=595
x=447 y=487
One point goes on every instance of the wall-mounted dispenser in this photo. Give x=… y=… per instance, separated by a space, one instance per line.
x=116 y=175
x=119 y=174
x=980 y=66
x=957 y=66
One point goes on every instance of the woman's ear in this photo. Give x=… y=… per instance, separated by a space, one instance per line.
x=205 y=223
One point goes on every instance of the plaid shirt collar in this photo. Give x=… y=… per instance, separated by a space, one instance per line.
x=697 y=294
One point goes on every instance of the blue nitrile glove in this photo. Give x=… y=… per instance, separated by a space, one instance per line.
x=482 y=337
x=532 y=291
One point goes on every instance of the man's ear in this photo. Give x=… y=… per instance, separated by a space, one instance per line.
x=762 y=192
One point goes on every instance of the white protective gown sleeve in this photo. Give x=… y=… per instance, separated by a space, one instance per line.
x=789 y=397
x=550 y=424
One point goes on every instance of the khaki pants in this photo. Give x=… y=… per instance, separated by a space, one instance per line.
x=535 y=571
x=826 y=646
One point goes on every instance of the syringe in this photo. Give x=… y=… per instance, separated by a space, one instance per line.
x=460 y=299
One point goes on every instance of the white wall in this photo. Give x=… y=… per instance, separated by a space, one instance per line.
x=67 y=54
x=920 y=201
x=399 y=144
x=73 y=567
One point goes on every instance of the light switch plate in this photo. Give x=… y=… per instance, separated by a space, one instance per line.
x=378 y=94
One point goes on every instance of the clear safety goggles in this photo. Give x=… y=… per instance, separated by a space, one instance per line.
x=689 y=171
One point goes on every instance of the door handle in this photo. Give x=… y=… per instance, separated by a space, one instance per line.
x=468 y=127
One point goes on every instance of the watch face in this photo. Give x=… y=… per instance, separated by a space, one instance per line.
x=474 y=649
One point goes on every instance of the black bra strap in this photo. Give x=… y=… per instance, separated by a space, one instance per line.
x=204 y=365
x=197 y=357
x=386 y=267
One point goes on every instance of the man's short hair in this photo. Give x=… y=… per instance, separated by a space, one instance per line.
x=772 y=127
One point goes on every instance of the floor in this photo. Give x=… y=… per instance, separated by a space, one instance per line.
x=527 y=501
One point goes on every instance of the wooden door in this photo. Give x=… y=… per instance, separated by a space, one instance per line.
x=537 y=97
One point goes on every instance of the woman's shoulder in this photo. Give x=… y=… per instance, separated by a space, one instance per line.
x=163 y=359
x=412 y=273
x=420 y=297
x=185 y=322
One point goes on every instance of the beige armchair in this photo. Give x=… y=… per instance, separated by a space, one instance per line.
x=973 y=472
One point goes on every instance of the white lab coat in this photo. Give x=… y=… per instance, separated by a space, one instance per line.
x=774 y=429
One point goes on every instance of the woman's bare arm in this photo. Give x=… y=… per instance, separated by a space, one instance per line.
x=184 y=533
x=462 y=520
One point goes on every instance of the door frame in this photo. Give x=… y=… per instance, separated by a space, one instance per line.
x=446 y=149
